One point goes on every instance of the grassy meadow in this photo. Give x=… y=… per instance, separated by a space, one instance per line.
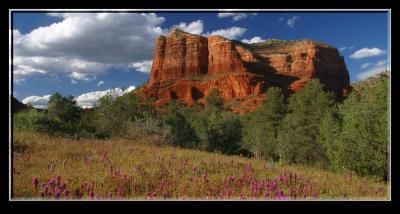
x=64 y=168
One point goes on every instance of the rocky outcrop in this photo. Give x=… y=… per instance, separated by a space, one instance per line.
x=187 y=67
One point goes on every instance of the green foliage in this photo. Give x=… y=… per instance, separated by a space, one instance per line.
x=260 y=135
x=214 y=100
x=28 y=120
x=358 y=140
x=185 y=135
x=223 y=132
x=116 y=113
x=63 y=108
x=38 y=121
x=300 y=128
x=311 y=128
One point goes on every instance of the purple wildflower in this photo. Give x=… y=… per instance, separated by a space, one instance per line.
x=91 y=194
x=52 y=182
x=58 y=193
x=63 y=185
x=35 y=181
x=109 y=194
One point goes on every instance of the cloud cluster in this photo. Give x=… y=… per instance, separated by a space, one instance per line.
x=378 y=67
x=100 y=83
x=367 y=52
x=229 y=33
x=37 y=101
x=82 y=46
x=144 y=66
x=87 y=100
x=365 y=65
x=256 y=39
x=86 y=43
x=346 y=48
x=292 y=21
x=195 y=27
x=235 y=16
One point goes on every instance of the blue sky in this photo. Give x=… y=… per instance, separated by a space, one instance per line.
x=77 y=54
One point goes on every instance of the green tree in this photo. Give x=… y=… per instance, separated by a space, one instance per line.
x=185 y=135
x=223 y=132
x=260 y=135
x=364 y=139
x=300 y=128
x=63 y=108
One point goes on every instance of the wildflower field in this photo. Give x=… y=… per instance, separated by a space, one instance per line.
x=55 y=168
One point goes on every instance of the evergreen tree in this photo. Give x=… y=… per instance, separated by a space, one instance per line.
x=261 y=131
x=300 y=129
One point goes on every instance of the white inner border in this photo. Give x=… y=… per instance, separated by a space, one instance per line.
x=212 y=10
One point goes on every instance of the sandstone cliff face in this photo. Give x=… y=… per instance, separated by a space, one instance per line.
x=187 y=67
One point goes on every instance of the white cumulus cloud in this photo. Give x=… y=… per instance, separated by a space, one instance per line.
x=100 y=83
x=89 y=100
x=253 y=40
x=195 y=27
x=235 y=16
x=87 y=43
x=86 y=100
x=367 y=52
x=37 y=101
x=379 y=67
x=144 y=66
x=376 y=70
x=229 y=33
x=382 y=62
x=292 y=21
x=80 y=76
x=365 y=65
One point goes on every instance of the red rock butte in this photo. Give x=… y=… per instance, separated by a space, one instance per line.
x=187 y=67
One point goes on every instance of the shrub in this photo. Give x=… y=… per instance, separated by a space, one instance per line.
x=214 y=100
x=149 y=131
x=114 y=114
x=38 y=121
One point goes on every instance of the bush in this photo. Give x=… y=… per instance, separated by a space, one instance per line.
x=214 y=100
x=115 y=114
x=149 y=131
x=38 y=121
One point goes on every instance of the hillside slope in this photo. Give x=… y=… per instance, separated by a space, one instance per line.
x=48 y=168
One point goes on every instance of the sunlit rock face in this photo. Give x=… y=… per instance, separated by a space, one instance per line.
x=187 y=67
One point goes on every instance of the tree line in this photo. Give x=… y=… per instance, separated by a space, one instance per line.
x=310 y=127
